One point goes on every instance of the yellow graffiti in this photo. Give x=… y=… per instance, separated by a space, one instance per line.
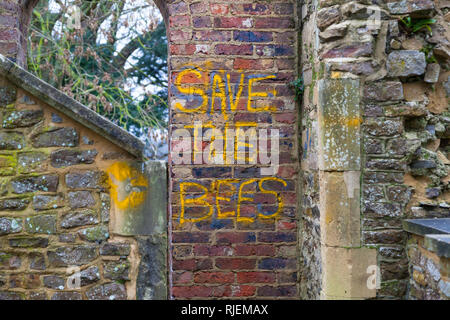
x=252 y=94
x=194 y=76
x=236 y=140
x=218 y=84
x=280 y=201
x=234 y=102
x=228 y=182
x=198 y=201
x=191 y=91
x=242 y=198
x=227 y=196
x=128 y=186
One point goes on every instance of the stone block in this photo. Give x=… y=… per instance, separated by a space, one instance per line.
x=406 y=63
x=81 y=199
x=340 y=208
x=45 y=224
x=138 y=198
x=107 y=291
x=410 y=6
x=65 y=157
x=33 y=161
x=47 y=183
x=10 y=225
x=79 y=218
x=22 y=118
x=86 y=180
x=14 y=204
x=57 y=137
x=339 y=125
x=11 y=141
x=117 y=270
x=46 y=201
x=95 y=234
x=346 y=274
x=384 y=91
x=73 y=255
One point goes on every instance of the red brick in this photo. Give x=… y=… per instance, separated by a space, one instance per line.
x=219 y=8
x=285 y=64
x=182 y=251
x=8 y=34
x=199 y=7
x=289 y=198
x=235 y=237
x=283 y=8
x=272 y=237
x=179 y=21
x=192 y=264
x=212 y=35
x=254 y=250
x=214 y=277
x=192 y=291
x=178 y=35
x=208 y=250
x=286 y=117
x=287 y=277
x=235 y=263
x=8 y=48
x=280 y=291
x=242 y=291
x=178 y=8
x=233 y=22
x=201 y=22
x=287 y=171
x=256 y=277
x=251 y=8
x=278 y=23
x=8 y=21
x=182 y=49
x=182 y=277
x=233 y=49
x=286 y=225
x=252 y=64
x=190 y=237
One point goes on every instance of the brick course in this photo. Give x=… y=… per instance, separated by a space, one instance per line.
x=222 y=252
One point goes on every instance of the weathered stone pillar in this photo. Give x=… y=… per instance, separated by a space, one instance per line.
x=234 y=226
x=336 y=265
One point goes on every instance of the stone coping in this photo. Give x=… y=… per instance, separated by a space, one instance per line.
x=436 y=233
x=72 y=108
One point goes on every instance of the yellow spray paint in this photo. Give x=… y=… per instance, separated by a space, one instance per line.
x=128 y=186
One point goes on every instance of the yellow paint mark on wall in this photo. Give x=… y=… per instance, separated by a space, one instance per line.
x=128 y=185
x=218 y=193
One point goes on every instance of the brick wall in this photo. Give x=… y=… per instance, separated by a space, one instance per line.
x=14 y=20
x=234 y=230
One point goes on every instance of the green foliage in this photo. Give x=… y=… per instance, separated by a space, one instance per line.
x=100 y=65
x=415 y=25
x=429 y=55
x=298 y=87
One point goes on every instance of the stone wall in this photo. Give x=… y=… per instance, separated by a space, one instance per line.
x=75 y=221
x=406 y=135
x=429 y=271
x=234 y=229
x=375 y=106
